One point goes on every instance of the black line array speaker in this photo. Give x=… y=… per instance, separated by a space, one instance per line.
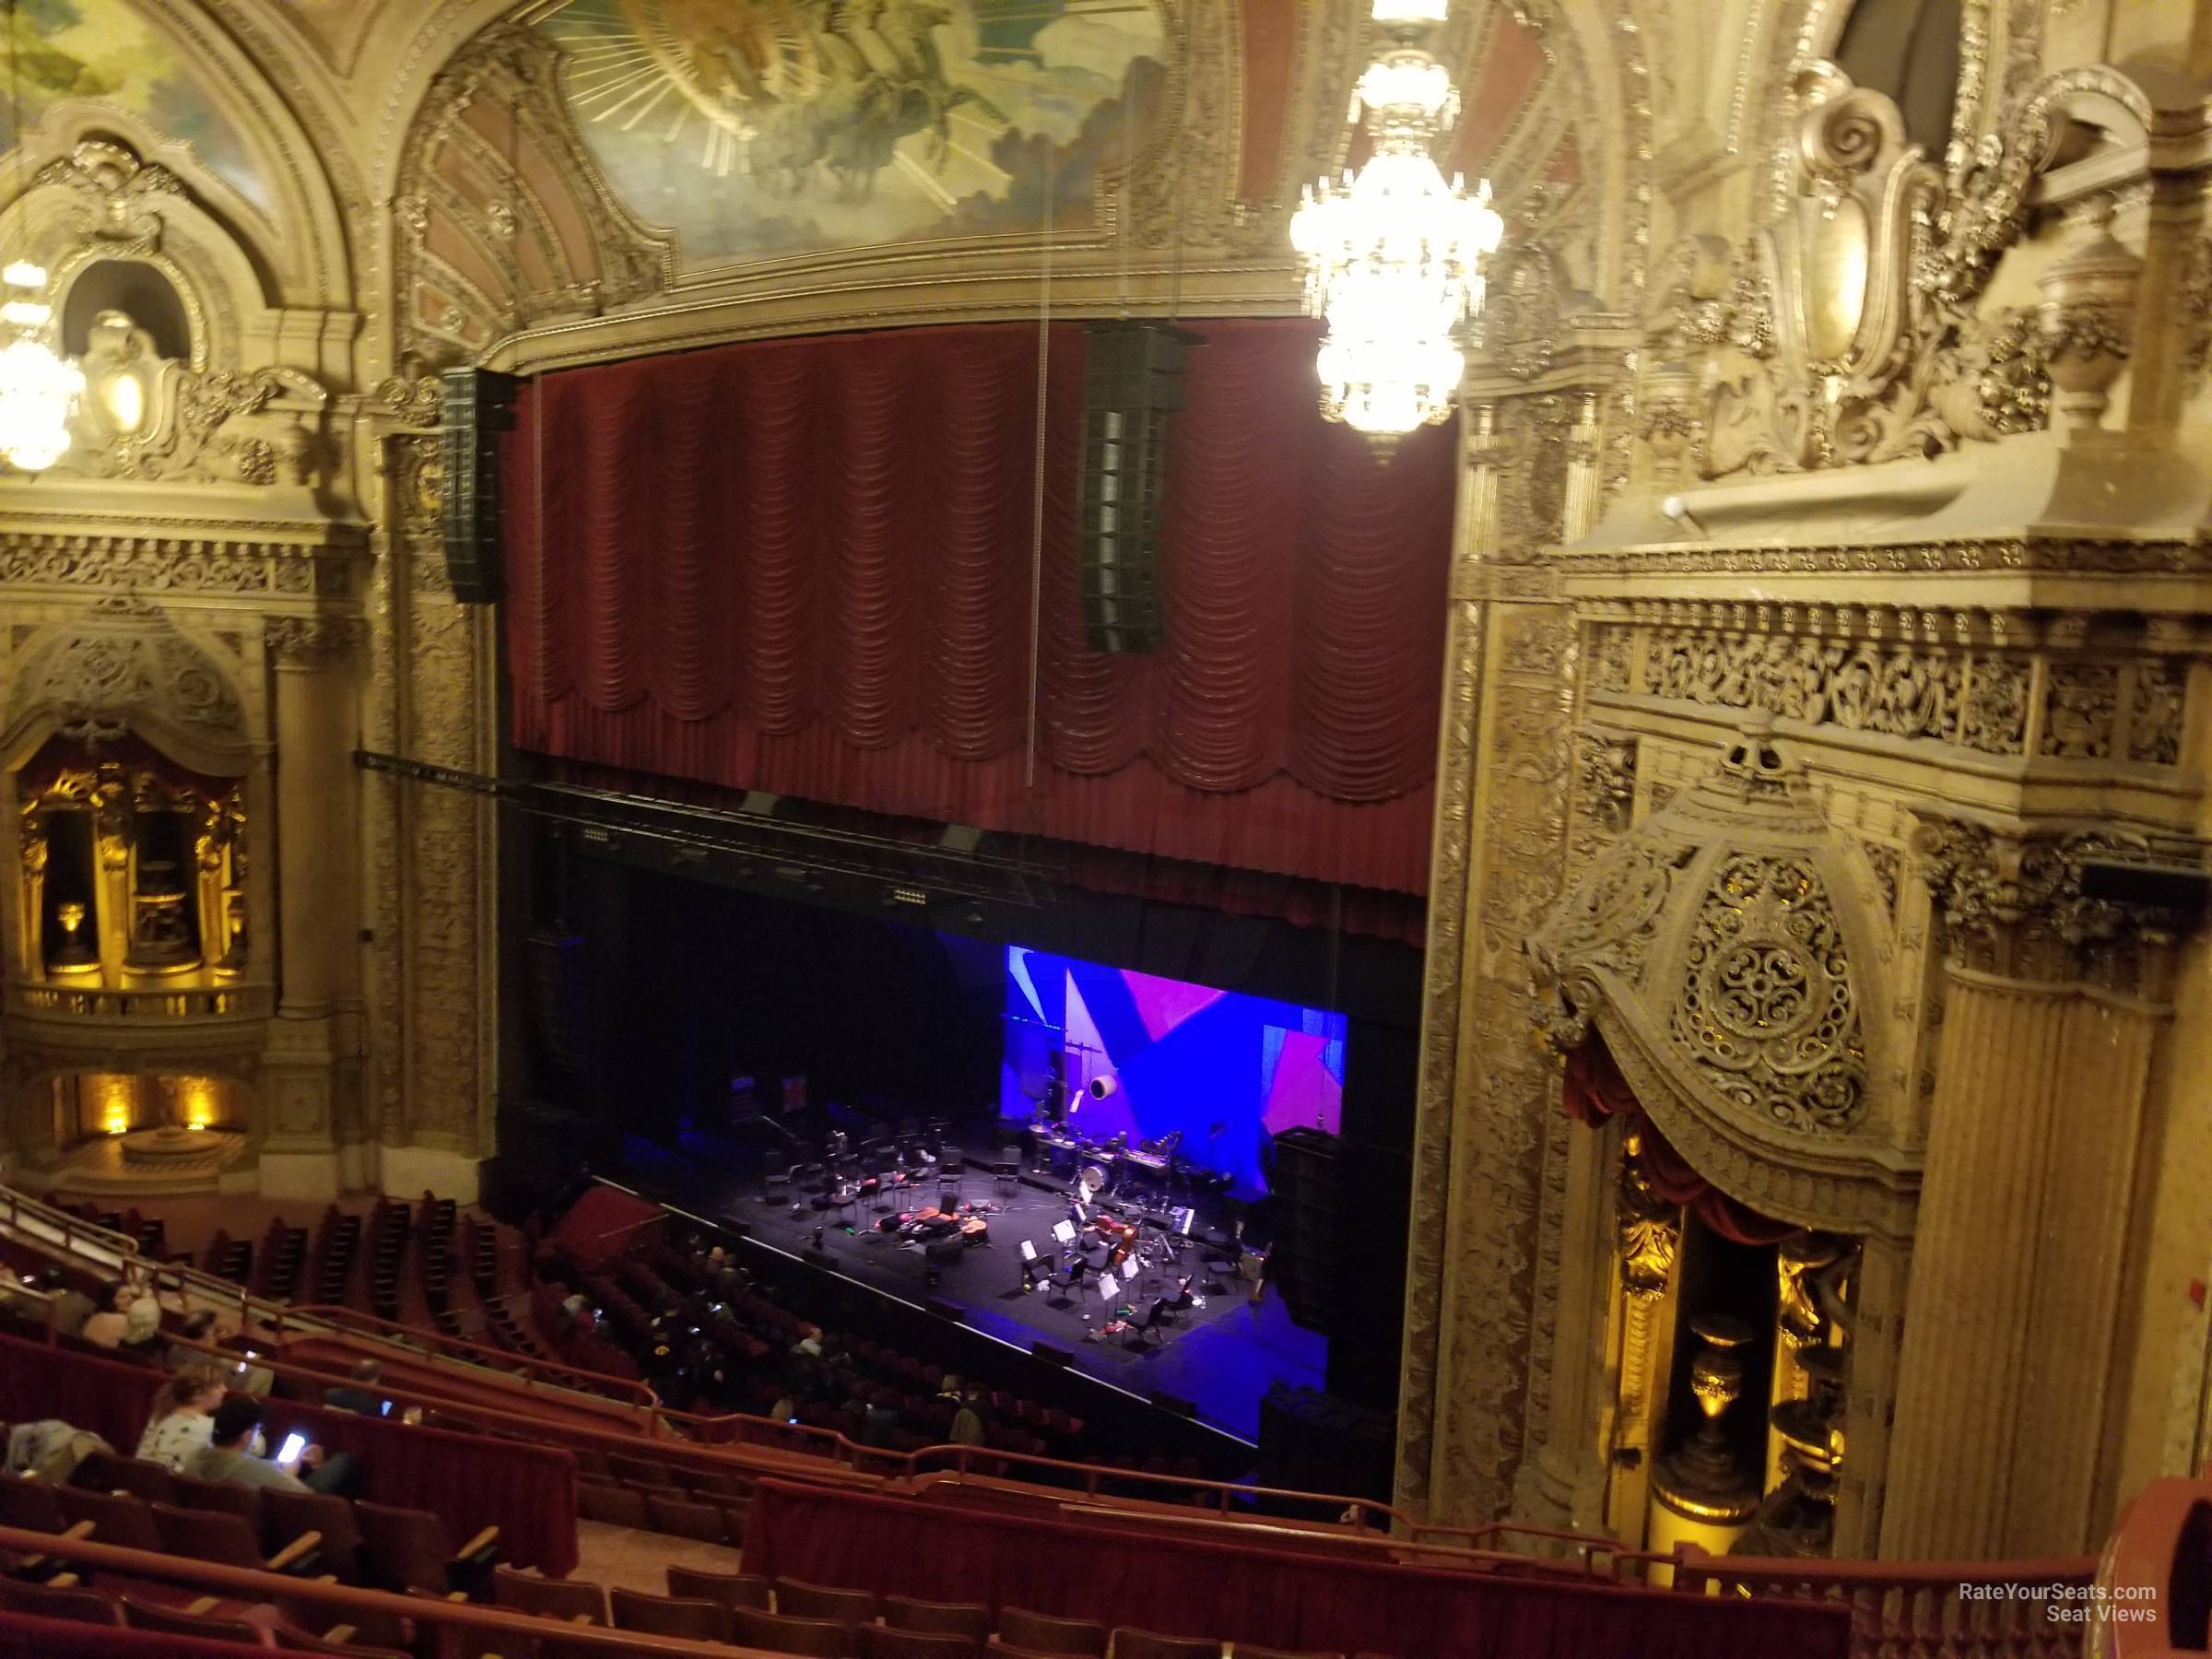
x=480 y=404
x=1309 y=1216
x=560 y=996
x=1133 y=384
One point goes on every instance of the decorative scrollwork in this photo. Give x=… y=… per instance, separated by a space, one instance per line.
x=1852 y=331
x=1607 y=767
x=2154 y=725
x=2013 y=902
x=1768 y=1009
x=1895 y=691
x=124 y=665
x=1651 y=1230
x=217 y=426
x=2081 y=710
x=1995 y=720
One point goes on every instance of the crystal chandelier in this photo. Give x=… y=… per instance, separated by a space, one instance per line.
x=1394 y=255
x=38 y=389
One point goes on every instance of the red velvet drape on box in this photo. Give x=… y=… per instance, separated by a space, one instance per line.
x=803 y=566
x=1176 y=1586
x=1594 y=1090
x=528 y=1492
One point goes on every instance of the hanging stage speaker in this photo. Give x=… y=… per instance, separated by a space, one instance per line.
x=1134 y=385
x=1308 y=1186
x=479 y=406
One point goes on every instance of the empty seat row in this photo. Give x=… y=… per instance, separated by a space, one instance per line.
x=304 y=1532
x=790 y=1617
x=65 y=1598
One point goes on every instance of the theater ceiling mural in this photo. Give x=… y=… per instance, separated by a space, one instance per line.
x=759 y=128
x=106 y=51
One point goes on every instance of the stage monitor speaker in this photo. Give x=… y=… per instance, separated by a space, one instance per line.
x=819 y=1258
x=1174 y=1402
x=1134 y=383
x=1046 y=1354
x=478 y=405
x=1309 y=1214
x=945 y=1310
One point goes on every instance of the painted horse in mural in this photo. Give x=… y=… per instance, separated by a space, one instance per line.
x=826 y=86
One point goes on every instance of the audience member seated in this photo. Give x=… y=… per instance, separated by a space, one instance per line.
x=108 y=1326
x=208 y=1326
x=50 y=1449
x=236 y=1455
x=183 y=1420
x=143 y=1339
x=195 y=1328
x=360 y=1396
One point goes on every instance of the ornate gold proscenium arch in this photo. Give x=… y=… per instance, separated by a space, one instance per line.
x=1729 y=949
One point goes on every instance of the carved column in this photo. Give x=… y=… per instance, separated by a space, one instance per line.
x=2012 y=1336
x=1490 y=1142
x=314 y=1042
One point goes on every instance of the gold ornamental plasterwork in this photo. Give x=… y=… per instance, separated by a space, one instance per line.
x=1851 y=330
x=2102 y=555
x=1987 y=683
x=1430 y=1216
x=192 y=561
x=123 y=666
x=517 y=69
x=429 y=967
x=2013 y=902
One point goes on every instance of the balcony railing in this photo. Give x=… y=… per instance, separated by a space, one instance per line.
x=150 y=1002
x=1922 y=1609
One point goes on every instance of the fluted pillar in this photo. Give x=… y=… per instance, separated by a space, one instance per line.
x=2011 y=1339
x=313 y=1044
x=1564 y=1483
x=1967 y=1339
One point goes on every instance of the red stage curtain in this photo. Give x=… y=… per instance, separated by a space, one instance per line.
x=528 y=1492
x=64 y=1639
x=1177 y=1587
x=1594 y=1090
x=803 y=566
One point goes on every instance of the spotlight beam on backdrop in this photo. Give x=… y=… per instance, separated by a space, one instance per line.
x=910 y=874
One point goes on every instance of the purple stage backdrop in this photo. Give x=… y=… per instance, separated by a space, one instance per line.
x=1229 y=1071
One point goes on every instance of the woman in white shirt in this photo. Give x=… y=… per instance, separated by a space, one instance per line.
x=183 y=1418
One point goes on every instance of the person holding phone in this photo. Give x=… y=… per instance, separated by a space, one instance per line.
x=235 y=1454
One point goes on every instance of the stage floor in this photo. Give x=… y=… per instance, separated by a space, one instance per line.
x=1221 y=1358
